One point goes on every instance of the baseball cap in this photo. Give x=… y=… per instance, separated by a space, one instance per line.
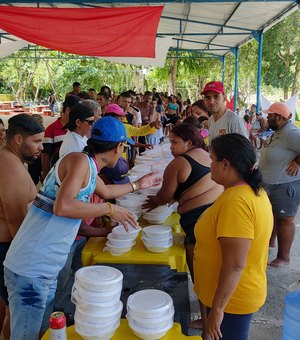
x=114 y=108
x=109 y=129
x=215 y=86
x=280 y=108
x=71 y=101
x=78 y=111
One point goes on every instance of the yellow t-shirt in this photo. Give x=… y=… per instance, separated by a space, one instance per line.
x=237 y=212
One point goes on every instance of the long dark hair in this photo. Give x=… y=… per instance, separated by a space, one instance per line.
x=240 y=153
x=190 y=132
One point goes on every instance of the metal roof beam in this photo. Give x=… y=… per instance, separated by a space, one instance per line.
x=206 y=23
x=201 y=42
x=202 y=34
x=78 y=2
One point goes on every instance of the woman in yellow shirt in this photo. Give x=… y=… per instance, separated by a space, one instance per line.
x=232 y=239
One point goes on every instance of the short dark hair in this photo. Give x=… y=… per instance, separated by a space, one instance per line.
x=105 y=87
x=240 y=153
x=94 y=147
x=105 y=95
x=190 y=132
x=125 y=94
x=148 y=93
x=193 y=120
x=23 y=124
x=92 y=90
x=76 y=84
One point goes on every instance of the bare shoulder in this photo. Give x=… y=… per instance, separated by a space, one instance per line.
x=201 y=156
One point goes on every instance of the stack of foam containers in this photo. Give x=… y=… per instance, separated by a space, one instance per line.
x=150 y=313
x=157 y=239
x=96 y=294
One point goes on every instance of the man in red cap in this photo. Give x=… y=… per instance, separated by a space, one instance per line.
x=280 y=166
x=222 y=121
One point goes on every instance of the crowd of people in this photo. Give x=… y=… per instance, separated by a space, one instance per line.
x=227 y=198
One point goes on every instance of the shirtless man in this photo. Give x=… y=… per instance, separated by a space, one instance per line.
x=24 y=138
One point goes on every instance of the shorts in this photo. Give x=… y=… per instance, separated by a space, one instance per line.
x=188 y=220
x=285 y=198
x=3 y=291
x=235 y=326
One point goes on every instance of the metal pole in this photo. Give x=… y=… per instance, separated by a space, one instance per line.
x=223 y=69
x=236 y=52
x=259 y=63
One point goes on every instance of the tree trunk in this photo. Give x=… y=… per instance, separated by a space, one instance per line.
x=296 y=79
x=36 y=94
x=285 y=93
x=172 y=77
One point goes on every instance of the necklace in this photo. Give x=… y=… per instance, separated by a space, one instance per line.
x=14 y=152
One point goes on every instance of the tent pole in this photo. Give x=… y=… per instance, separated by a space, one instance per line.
x=223 y=69
x=259 y=63
x=236 y=53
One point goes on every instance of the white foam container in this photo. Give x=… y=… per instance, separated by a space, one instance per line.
x=93 y=307
x=158 y=242
x=156 y=249
x=99 y=278
x=150 y=334
x=97 y=297
x=149 y=303
x=153 y=322
x=96 y=333
x=118 y=250
x=154 y=221
x=106 y=319
x=116 y=242
x=119 y=232
x=157 y=232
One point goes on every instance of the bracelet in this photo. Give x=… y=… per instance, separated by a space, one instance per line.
x=111 y=209
x=134 y=186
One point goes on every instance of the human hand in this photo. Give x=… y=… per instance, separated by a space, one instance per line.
x=214 y=320
x=149 y=180
x=149 y=146
x=157 y=124
x=123 y=216
x=150 y=203
x=292 y=168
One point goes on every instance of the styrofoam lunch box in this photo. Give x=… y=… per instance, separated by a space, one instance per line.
x=157 y=232
x=120 y=232
x=149 y=303
x=95 y=297
x=150 y=334
x=117 y=242
x=93 y=307
x=100 y=317
x=97 y=333
x=99 y=278
x=158 y=242
x=118 y=249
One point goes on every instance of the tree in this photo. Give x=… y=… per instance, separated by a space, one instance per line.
x=282 y=55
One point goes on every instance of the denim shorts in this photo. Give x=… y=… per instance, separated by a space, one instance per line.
x=28 y=298
x=285 y=198
x=3 y=291
x=235 y=326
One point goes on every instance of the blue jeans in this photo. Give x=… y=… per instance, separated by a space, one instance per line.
x=28 y=298
x=235 y=326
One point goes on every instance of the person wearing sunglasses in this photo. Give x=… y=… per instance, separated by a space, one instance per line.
x=81 y=119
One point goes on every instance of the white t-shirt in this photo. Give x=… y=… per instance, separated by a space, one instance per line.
x=73 y=142
x=137 y=119
x=230 y=122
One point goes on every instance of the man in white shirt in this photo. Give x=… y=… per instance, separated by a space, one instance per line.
x=221 y=121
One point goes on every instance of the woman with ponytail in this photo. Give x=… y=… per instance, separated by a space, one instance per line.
x=232 y=239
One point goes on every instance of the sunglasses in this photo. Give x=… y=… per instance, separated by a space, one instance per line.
x=90 y=122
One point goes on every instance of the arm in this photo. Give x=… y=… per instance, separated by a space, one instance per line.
x=66 y=203
x=90 y=231
x=293 y=166
x=45 y=164
x=117 y=190
x=142 y=131
x=15 y=197
x=170 y=183
x=234 y=258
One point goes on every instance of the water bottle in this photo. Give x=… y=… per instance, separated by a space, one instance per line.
x=291 y=320
x=58 y=326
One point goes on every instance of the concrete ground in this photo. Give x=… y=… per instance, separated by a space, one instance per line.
x=267 y=322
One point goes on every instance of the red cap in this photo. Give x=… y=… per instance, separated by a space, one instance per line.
x=215 y=86
x=57 y=320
